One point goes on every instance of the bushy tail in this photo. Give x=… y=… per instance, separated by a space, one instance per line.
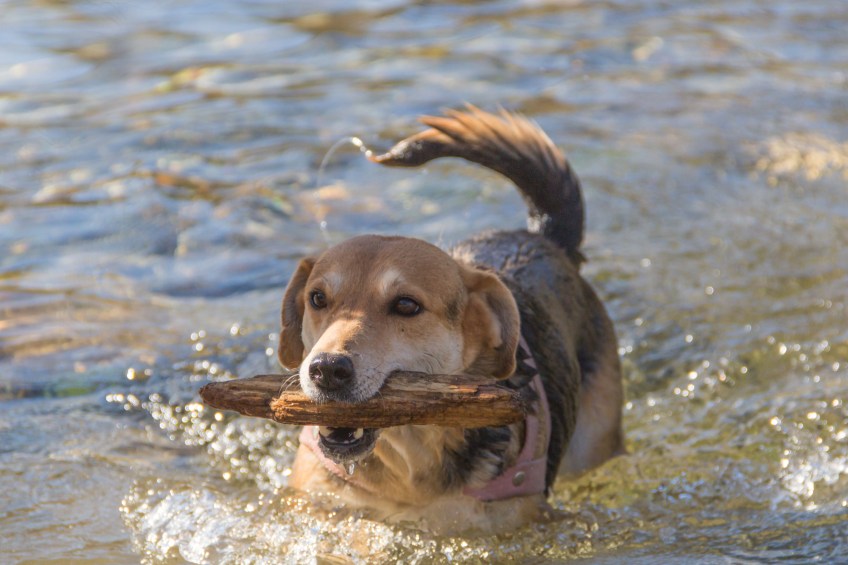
x=518 y=149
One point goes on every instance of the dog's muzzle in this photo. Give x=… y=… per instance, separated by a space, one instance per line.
x=330 y=371
x=333 y=377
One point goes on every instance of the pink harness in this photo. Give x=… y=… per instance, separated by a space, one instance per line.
x=525 y=477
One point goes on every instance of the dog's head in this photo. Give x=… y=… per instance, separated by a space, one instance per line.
x=374 y=305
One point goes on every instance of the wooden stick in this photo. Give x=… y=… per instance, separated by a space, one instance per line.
x=406 y=398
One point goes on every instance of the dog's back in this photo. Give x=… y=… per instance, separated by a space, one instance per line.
x=566 y=325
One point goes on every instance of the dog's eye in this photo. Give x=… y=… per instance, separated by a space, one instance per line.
x=318 y=299
x=406 y=307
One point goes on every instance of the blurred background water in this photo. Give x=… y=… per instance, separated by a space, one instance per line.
x=159 y=178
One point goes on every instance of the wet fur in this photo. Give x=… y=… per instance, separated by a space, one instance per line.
x=474 y=295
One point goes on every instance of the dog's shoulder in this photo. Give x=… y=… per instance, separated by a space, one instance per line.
x=554 y=308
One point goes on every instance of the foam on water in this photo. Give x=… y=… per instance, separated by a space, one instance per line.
x=232 y=503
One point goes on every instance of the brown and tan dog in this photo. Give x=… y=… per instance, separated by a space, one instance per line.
x=373 y=305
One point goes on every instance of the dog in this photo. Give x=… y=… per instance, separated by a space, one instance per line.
x=506 y=304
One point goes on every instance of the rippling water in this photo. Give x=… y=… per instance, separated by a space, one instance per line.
x=159 y=177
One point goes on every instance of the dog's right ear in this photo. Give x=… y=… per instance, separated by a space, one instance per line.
x=491 y=327
x=290 y=351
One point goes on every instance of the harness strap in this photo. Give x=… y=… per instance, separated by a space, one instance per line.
x=527 y=475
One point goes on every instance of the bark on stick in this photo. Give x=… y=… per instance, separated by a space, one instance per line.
x=406 y=398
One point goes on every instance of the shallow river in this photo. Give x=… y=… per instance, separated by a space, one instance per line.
x=160 y=174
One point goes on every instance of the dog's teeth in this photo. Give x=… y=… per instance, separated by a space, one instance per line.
x=314 y=432
x=351 y=468
x=358 y=433
x=324 y=430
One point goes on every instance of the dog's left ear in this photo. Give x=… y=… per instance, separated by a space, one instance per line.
x=290 y=351
x=491 y=326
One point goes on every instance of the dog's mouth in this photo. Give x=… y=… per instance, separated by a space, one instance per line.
x=346 y=445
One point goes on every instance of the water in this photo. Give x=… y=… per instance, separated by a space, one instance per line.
x=159 y=180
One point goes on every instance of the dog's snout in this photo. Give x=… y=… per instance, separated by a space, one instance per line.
x=331 y=371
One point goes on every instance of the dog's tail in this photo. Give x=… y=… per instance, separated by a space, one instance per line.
x=518 y=149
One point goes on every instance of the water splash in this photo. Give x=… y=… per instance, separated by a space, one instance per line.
x=356 y=142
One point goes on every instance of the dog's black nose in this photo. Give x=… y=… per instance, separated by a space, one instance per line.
x=330 y=371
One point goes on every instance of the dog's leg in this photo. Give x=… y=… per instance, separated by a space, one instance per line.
x=598 y=434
